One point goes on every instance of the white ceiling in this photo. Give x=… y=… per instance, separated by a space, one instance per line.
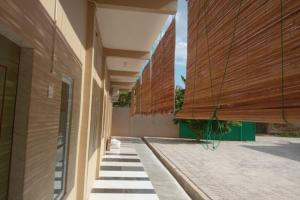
x=124 y=64
x=124 y=87
x=129 y=30
x=122 y=79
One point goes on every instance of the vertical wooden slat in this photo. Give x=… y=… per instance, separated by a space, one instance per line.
x=146 y=91
x=162 y=73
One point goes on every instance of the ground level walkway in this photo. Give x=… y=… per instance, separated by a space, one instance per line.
x=268 y=169
x=134 y=173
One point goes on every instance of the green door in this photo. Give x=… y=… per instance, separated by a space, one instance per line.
x=9 y=65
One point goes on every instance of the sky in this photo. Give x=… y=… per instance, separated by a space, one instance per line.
x=181 y=42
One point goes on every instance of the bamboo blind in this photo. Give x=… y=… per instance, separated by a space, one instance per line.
x=146 y=91
x=162 y=73
x=133 y=102
x=255 y=87
x=138 y=95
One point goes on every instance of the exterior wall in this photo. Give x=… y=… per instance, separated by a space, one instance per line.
x=56 y=36
x=93 y=136
x=93 y=75
x=155 y=125
x=31 y=22
x=282 y=128
x=21 y=124
x=70 y=18
x=121 y=122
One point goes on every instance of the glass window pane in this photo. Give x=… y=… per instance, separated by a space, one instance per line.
x=62 y=141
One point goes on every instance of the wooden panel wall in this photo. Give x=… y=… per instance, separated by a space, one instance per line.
x=246 y=37
x=21 y=124
x=9 y=66
x=162 y=73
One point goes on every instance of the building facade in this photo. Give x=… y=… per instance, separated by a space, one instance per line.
x=52 y=74
x=56 y=78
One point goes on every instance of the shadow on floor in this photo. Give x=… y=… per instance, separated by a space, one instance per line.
x=175 y=141
x=129 y=140
x=290 y=150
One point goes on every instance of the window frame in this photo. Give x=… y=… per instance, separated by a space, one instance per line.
x=69 y=81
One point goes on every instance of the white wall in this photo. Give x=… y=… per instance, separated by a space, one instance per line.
x=121 y=122
x=156 y=125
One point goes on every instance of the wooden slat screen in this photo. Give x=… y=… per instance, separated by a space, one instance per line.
x=146 y=91
x=133 y=102
x=253 y=89
x=138 y=94
x=162 y=73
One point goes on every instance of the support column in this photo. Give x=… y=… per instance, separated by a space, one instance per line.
x=85 y=105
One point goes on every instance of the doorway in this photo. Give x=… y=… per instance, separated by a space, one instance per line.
x=9 y=67
x=63 y=139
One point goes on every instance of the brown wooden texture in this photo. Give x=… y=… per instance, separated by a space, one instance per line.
x=33 y=25
x=138 y=95
x=252 y=89
x=9 y=64
x=133 y=102
x=146 y=91
x=162 y=73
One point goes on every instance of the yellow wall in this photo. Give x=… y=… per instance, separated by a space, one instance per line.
x=71 y=18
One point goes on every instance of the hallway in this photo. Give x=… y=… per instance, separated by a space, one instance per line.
x=133 y=172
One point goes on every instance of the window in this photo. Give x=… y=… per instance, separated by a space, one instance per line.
x=63 y=139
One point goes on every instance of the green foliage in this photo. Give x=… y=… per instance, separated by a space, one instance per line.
x=218 y=127
x=179 y=96
x=124 y=100
x=179 y=93
x=200 y=126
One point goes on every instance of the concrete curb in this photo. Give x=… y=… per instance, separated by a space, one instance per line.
x=191 y=189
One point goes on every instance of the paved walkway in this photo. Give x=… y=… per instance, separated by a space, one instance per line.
x=268 y=169
x=131 y=172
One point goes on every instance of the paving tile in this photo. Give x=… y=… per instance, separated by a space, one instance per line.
x=267 y=169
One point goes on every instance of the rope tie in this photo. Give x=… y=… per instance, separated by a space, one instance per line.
x=195 y=70
x=214 y=133
x=283 y=114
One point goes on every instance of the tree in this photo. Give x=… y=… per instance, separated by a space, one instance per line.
x=200 y=126
x=124 y=100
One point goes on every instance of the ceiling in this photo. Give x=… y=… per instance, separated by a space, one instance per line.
x=128 y=29
x=124 y=64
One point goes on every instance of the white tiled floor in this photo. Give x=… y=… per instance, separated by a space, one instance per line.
x=103 y=188
x=121 y=156
x=122 y=174
x=107 y=196
x=123 y=184
x=123 y=164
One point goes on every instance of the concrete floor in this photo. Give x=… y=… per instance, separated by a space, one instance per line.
x=166 y=187
x=134 y=173
x=268 y=169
